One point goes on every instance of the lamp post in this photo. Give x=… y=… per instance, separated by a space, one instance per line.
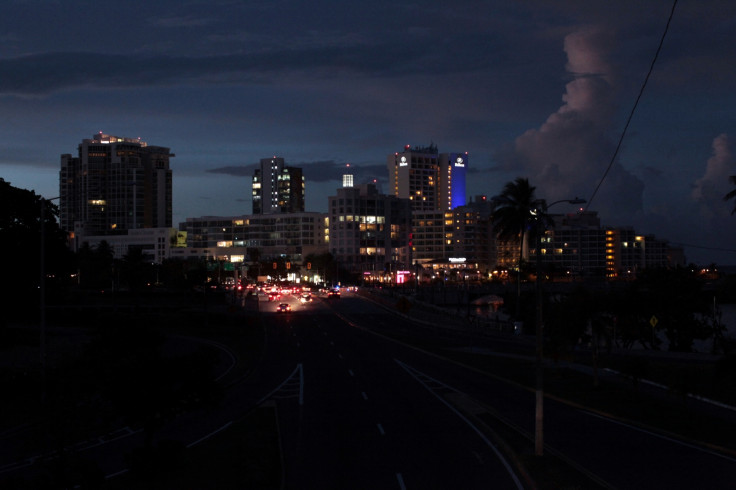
x=537 y=215
x=42 y=296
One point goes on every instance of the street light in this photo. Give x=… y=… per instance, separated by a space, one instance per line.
x=538 y=215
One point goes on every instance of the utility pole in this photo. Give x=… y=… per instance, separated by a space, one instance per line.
x=540 y=229
x=42 y=297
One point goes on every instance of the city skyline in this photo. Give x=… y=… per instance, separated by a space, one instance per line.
x=530 y=89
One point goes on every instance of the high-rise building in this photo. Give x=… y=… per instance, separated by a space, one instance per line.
x=452 y=168
x=347 y=177
x=369 y=231
x=430 y=180
x=277 y=188
x=114 y=185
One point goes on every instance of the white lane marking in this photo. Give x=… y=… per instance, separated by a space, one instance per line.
x=80 y=446
x=417 y=374
x=401 y=481
x=350 y=371
x=228 y=352
x=339 y=356
x=380 y=429
x=209 y=435
x=298 y=371
x=332 y=343
x=117 y=473
x=365 y=397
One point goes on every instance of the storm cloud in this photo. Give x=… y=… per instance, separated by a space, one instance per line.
x=567 y=156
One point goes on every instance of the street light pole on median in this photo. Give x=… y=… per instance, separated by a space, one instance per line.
x=42 y=297
x=539 y=392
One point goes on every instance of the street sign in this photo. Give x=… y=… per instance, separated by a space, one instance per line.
x=653 y=321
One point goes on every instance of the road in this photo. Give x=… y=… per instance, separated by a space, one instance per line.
x=356 y=416
x=358 y=410
x=373 y=413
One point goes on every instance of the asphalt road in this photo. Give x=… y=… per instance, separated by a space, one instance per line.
x=358 y=410
x=373 y=413
x=355 y=414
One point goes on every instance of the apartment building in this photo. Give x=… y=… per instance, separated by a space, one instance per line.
x=115 y=184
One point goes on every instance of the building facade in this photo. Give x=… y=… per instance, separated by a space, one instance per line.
x=628 y=252
x=578 y=246
x=574 y=246
x=277 y=188
x=234 y=238
x=462 y=237
x=113 y=185
x=430 y=180
x=369 y=232
x=452 y=170
x=155 y=244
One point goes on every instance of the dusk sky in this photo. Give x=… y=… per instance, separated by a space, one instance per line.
x=535 y=89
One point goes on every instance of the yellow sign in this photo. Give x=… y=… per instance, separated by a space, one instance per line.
x=653 y=321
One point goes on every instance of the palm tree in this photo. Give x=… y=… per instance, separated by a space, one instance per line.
x=516 y=212
x=732 y=194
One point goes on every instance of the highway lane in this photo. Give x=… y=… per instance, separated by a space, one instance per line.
x=623 y=455
x=359 y=411
x=365 y=422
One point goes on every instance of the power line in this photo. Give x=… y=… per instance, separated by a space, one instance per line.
x=633 y=109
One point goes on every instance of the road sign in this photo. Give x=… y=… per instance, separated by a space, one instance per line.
x=653 y=321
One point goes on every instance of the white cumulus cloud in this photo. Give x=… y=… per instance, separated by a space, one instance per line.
x=708 y=191
x=568 y=154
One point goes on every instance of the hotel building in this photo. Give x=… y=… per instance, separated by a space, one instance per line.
x=430 y=180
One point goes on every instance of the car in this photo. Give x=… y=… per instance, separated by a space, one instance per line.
x=274 y=296
x=333 y=294
x=283 y=308
x=305 y=298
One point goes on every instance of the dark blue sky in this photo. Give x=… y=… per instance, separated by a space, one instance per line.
x=536 y=89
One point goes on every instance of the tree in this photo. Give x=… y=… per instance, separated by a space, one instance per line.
x=676 y=298
x=323 y=264
x=96 y=266
x=135 y=270
x=517 y=211
x=20 y=247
